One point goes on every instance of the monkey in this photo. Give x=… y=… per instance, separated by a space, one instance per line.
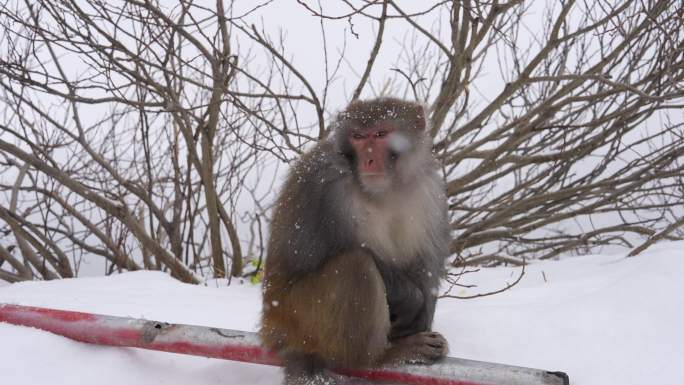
x=357 y=245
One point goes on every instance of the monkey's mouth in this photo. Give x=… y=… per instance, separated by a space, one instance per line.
x=373 y=177
x=374 y=182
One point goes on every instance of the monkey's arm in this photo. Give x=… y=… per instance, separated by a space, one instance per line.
x=415 y=300
x=411 y=295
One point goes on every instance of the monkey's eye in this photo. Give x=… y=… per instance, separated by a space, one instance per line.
x=381 y=134
x=358 y=135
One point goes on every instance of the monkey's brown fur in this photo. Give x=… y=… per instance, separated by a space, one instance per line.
x=305 y=317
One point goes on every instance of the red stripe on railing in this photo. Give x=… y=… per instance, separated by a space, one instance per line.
x=237 y=345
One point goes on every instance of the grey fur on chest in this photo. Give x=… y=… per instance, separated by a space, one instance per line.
x=400 y=227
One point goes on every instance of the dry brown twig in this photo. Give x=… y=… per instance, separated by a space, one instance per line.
x=575 y=143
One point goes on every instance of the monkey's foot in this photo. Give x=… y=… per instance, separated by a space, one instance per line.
x=419 y=348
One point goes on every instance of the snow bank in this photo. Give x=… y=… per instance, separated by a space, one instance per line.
x=603 y=319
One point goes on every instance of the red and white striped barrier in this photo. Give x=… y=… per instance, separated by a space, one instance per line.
x=244 y=346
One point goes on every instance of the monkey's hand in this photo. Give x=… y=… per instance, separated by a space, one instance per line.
x=420 y=348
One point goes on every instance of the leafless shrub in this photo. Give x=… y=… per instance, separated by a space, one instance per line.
x=137 y=132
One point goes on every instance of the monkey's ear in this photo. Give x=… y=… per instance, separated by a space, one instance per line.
x=419 y=117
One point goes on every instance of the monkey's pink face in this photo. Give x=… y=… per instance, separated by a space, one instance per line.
x=371 y=145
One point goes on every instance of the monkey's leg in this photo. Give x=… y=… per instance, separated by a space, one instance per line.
x=342 y=311
x=336 y=316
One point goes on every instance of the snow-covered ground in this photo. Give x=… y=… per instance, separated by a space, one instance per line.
x=603 y=319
